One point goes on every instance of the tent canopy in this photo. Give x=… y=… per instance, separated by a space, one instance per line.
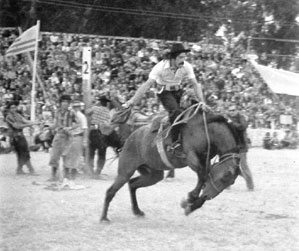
x=279 y=81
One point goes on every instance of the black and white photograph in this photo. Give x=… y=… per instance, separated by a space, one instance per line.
x=149 y=125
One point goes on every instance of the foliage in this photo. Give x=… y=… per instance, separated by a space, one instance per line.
x=191 y=20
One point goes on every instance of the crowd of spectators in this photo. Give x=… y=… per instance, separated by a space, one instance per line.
x=120 y=65
x=290 y=140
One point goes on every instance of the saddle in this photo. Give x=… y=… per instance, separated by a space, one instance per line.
x=183 y=118
x=162 y=127
x=159 y=121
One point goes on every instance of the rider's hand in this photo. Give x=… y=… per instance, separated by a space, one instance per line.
x=127 y=104
x=204 y=107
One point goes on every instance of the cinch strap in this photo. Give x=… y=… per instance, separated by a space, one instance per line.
x=161 y=149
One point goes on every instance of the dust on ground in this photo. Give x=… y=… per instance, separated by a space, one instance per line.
x=36 y=219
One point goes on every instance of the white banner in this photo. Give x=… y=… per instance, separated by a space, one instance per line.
x=279 y=81
x=25 y=42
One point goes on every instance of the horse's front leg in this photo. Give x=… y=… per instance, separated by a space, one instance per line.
x=193 y=201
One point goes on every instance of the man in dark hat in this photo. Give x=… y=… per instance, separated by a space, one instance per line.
x=16 y=122
x=101 y=134
x=169 y=75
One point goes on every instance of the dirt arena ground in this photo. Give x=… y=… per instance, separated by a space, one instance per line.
x=36 y=219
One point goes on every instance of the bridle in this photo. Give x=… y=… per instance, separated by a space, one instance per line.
x=227 y=156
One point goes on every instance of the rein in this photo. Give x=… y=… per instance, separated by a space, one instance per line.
x=178 y=119
x=209 y=144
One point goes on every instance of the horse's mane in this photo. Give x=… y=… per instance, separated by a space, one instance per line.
x=238 y=134
x=212 y=117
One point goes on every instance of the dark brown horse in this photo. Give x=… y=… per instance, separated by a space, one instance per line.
x=204 y=136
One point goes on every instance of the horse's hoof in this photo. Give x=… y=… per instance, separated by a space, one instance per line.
x=184 y=203
x=186 y=206
x=139 y=214
x=104 y=220
x=188 y=210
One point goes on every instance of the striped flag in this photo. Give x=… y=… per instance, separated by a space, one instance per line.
x=25 y=42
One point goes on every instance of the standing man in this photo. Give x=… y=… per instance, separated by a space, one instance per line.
x=66 y=122
x=169 y=75
x=16 y=123
x=240 y=123
x=79 y=137
x=101 y=134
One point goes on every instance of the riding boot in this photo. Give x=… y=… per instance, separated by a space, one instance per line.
x=176 y=146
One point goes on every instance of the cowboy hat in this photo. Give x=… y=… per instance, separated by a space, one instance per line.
x=103 y=98
x=178 y=48
x=65 y=97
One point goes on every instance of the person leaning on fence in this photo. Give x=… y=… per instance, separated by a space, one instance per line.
x=66 y=126
x=169 y=74
x=240 y=123
x=16 y=122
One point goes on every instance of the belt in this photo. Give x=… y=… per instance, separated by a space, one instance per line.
x=170 y=88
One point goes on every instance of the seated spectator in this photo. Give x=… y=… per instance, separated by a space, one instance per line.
x=267 y=141
x=275 y=143
x=290 y=139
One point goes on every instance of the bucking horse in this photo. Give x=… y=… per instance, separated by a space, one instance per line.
x=204 y=135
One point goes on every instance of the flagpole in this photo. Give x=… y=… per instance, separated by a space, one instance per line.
x=32 y=113
x=30 y=61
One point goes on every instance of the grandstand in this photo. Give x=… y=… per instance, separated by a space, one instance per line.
x=121 y=64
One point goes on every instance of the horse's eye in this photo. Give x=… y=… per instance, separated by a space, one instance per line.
x=227 y=177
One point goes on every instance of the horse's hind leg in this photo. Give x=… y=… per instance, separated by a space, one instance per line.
x=148 y=177
x=118 y=183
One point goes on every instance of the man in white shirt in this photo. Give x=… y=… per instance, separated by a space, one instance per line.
x=169 y=75
x=79 y=138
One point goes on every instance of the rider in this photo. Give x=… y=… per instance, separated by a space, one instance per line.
x=169 y=74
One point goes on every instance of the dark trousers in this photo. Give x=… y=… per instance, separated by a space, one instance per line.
x=22 y=150
x=171 y=102
x=99 y=142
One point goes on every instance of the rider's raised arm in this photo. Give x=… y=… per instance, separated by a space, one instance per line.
x=197 y=90
x=192 y=79
x=141 y=91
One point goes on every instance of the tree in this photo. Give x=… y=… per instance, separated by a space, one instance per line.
x=166 y=19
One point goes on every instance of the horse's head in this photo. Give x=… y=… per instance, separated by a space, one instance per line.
x=221 y=175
